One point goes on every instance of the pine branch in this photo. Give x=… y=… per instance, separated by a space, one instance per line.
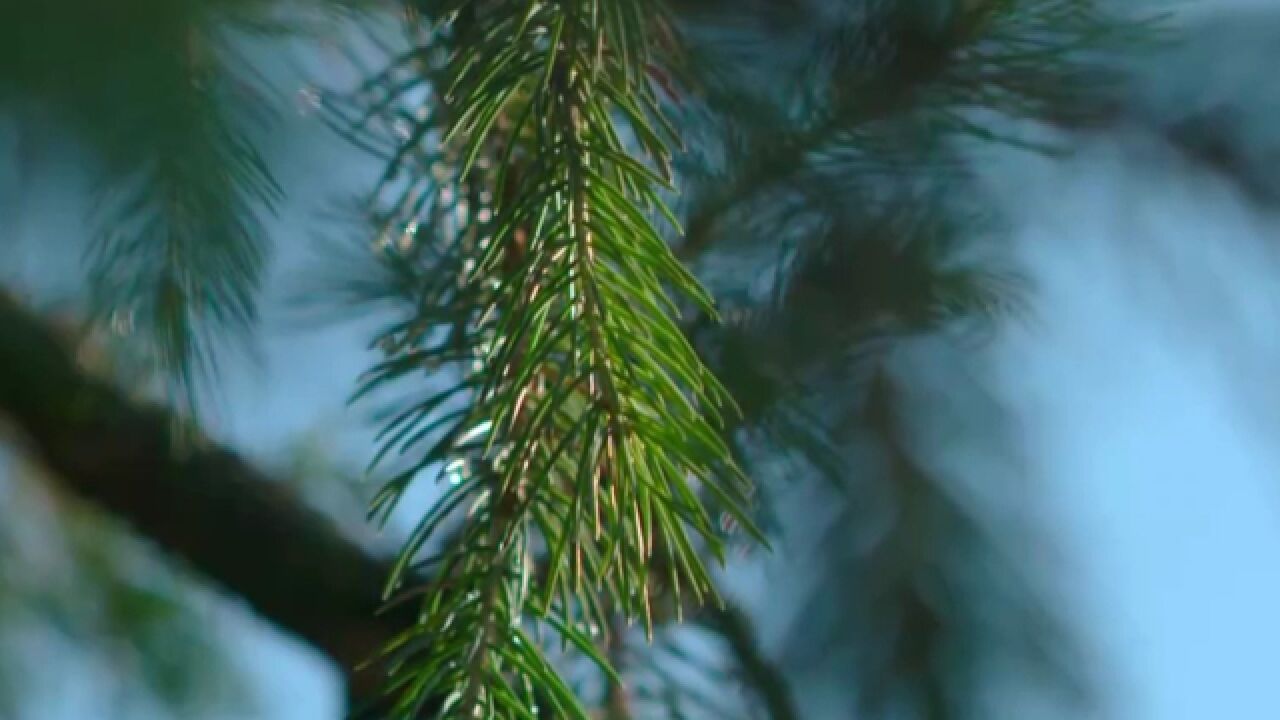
x=247 y=534
x=901 y=86
x=153 y=92
x=470 y=312
x=586 y=417
x=761 y=674
x=182 y=250
x=169 y=116
x=617 y=700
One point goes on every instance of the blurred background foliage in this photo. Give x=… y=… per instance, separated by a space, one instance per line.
x=76 y=579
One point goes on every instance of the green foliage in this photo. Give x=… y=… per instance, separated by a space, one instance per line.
x=588 y=418
x=521 y=233
x=170 y=113
x=150 y=88
x=479 y=224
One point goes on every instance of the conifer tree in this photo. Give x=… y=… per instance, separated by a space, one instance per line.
x=574 y=191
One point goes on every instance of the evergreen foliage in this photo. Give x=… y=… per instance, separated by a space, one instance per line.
x=480 y=125
x=557 y=367
x=589 y=423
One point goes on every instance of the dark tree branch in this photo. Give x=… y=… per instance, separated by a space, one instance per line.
x=230 y=522
x=760 y=673
x=197 y=501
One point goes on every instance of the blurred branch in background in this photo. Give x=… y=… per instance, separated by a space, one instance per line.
x=171 y=115
x=233 y=525
x=202 y=503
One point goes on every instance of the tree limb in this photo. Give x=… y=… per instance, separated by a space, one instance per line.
x=229 y=521
x=198 y=501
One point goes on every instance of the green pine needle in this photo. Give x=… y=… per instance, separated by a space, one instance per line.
x=590 y=427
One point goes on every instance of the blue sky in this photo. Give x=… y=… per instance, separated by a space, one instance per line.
x=1151 y=428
